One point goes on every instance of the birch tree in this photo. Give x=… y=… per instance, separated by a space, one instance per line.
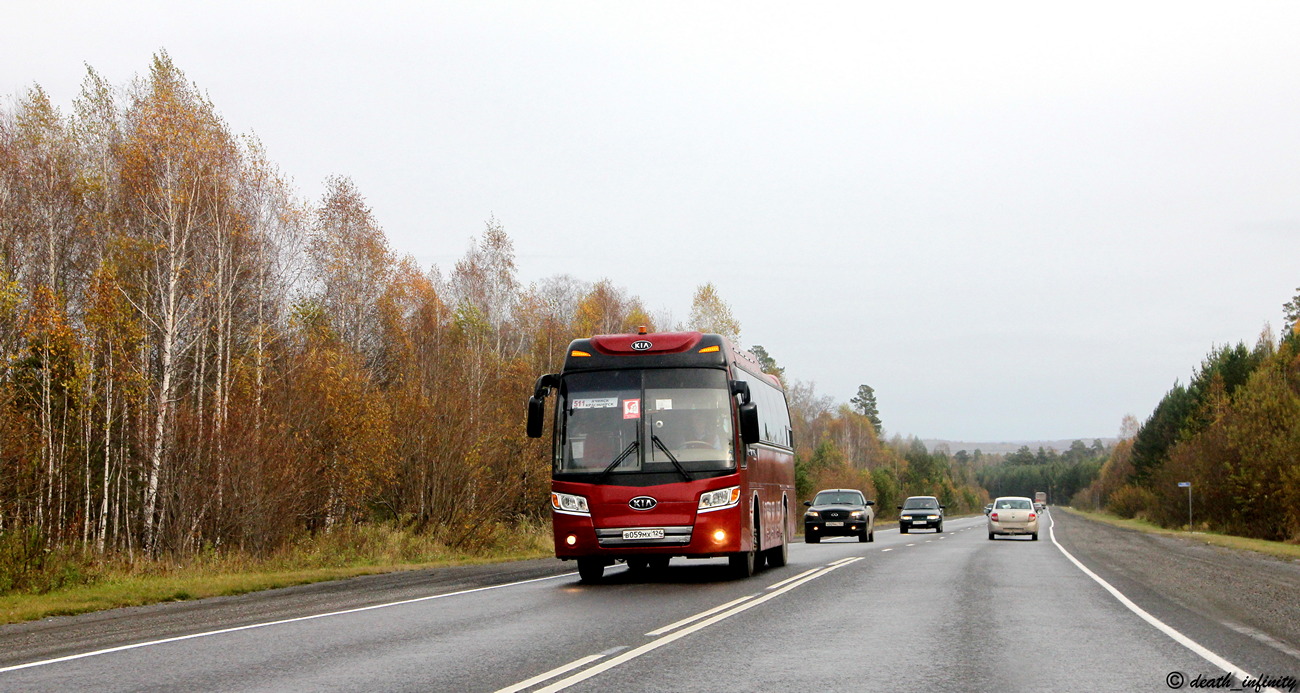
x=172 y=153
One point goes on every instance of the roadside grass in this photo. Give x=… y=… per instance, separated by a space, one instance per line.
x=1271 y=548
x=356 y=551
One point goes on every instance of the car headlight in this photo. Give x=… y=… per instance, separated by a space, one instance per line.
x=932 y=517
x=719 y=499
x=857 y=514
x=569 y=504
x=812 y=513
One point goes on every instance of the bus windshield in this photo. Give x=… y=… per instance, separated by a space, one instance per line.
x=675 y=420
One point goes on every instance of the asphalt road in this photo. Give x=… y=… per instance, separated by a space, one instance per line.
x=922 y=611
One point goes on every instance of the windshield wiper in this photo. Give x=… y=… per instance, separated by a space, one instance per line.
x=672 y=459
x=626 y=451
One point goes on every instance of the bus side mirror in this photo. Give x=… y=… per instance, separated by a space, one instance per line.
x=537 y=403
x=740 y=387
x=536 y=412
x=749 y=423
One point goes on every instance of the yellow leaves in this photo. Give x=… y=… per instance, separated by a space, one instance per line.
x=709 y=313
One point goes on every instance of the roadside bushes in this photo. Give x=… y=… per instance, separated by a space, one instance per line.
x=28 y=564
x=1131 y=501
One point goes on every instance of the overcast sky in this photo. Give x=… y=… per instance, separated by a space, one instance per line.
x=1013 y=220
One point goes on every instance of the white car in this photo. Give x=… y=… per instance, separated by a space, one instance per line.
x=1013 y=515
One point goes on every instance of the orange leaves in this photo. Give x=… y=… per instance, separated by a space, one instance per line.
x=606 y=309
x=341 y=426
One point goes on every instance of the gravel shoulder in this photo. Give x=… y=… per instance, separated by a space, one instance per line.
x=1195 y=586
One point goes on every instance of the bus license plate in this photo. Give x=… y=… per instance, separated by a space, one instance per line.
x=643 y=534
x=834 y=524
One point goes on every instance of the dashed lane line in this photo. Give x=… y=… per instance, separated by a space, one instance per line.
x=655 y=644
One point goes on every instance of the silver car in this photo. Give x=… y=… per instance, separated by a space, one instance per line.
x=1013 y=515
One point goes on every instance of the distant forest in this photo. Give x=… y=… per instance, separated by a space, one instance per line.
x=194 y=359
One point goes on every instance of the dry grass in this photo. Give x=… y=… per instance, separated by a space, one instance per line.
x=362 y=550
x=1271 y=548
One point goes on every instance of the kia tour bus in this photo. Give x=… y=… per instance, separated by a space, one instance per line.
x=666 y=444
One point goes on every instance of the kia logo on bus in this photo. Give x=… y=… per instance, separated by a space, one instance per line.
x=642 y=503
x=641 y=345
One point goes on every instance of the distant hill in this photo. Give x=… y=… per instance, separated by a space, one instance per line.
x=1005 y=447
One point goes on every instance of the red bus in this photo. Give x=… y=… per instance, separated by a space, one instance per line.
x=667 y=444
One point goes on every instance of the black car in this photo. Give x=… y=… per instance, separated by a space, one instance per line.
x=839 y=512
x=920 y=512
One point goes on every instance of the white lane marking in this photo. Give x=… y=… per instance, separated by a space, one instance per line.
x=673 y=637
x=252 y=626
x=884 y=550
x=911 y=544
x=783 y=582
x=704 y=614
x=844 y=560
x=1204 y=652
x=547 y=676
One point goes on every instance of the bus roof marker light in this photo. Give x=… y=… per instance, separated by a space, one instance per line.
x=710 y=349
x=641 y=329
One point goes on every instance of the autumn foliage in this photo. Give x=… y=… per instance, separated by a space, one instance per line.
x=193 y=359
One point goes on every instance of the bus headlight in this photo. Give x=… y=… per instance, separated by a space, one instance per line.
x=717 y=500
x=569 y=504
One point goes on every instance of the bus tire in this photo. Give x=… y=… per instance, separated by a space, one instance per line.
x=591 y=569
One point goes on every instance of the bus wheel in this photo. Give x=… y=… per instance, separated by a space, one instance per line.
x=591 y=569
x=777 y=556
